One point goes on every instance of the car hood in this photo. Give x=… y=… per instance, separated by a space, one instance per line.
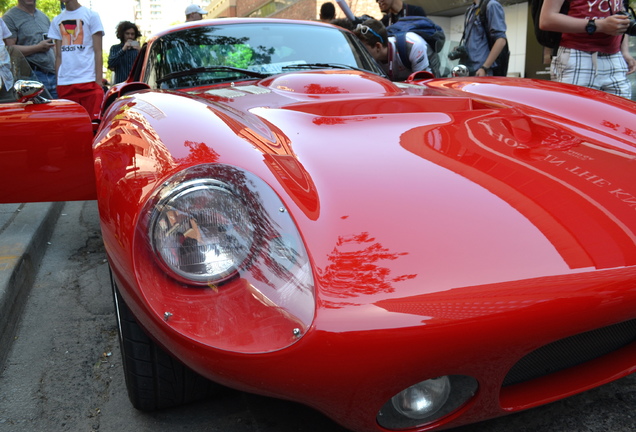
x=400 y=195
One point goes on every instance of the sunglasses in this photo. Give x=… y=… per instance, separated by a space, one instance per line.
x=366 y=29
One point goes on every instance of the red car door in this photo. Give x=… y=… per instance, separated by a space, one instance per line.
x=45 y=152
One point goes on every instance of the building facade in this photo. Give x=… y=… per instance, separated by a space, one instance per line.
x=152 y=16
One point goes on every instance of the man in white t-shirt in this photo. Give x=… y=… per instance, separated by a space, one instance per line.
x=78 y=33
x=383 y=49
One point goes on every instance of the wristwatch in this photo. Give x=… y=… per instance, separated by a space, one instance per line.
x=590 y=28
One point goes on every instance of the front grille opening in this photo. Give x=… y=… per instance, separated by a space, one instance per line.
x=571 y=351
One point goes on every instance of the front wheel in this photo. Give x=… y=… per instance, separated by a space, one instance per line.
x=154 y=379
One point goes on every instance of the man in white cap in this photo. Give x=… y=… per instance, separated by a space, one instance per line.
x=194 y=13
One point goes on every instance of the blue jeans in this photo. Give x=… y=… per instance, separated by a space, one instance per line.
x=49 y=80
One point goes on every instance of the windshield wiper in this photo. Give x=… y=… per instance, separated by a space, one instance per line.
x=198 y=70
x=321 y=66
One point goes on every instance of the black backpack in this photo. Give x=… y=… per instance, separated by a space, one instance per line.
x=546 y=38
x=501 y=68
x=427 y=30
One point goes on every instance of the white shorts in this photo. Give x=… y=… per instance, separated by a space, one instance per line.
x=606 y=72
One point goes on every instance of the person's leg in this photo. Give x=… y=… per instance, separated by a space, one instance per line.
x=573 y=67
x=66 y=92
x=88 y=95
x=612 y=75
x=92 y=98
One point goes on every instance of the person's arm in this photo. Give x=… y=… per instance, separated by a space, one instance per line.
x=551 y=19
x=496 y=49
x=115 y=56
x=58 y=56
x=99 y=57
x=631 y=62
x=117 y=53
x=418 y=53
x=27 y=50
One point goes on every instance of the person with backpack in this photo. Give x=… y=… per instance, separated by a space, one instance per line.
x=484 y=39
x=428 y=30
x=383 y=48
x=593 y=50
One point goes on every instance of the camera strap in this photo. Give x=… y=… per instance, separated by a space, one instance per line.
x=472 y=13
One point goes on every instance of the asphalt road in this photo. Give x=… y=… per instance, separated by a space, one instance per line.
x=64 y=372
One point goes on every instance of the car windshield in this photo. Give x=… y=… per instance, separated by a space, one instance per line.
x=231 y=52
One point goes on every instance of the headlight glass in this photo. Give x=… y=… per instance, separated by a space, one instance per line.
x=202 y=232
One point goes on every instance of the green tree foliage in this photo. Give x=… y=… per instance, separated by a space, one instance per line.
x=50 y=7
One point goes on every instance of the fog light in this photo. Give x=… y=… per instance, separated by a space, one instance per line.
x=427 y=401
x=423 y=399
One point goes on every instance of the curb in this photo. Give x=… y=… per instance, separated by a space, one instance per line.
x=23 y=241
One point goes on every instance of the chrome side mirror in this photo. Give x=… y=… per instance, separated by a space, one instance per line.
x=30 y=91
x=460 y=71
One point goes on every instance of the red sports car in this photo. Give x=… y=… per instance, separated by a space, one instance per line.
x=282 y=219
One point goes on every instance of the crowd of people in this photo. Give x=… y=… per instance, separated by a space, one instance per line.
x=483 y=40
x=65 y=53
x=593 y=50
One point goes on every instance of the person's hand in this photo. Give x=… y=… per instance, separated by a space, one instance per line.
x=131 y=44
x=614 y=25
x=481 y=72
x=45 y=45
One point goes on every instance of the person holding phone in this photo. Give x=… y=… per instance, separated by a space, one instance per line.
x=122 y=56
x=29 y=27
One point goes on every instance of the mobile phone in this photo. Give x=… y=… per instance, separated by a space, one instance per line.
x=45 y=36
x=134 y=43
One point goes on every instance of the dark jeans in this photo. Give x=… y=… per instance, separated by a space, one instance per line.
x=49 y=80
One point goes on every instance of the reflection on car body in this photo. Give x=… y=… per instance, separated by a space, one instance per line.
x=282 y=219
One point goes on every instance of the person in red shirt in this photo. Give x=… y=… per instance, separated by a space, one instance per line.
x=594 y=49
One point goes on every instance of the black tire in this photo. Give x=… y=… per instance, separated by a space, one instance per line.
x=155 y=380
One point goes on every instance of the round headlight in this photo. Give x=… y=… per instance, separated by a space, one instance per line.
x=423 y=399
x=202 y=232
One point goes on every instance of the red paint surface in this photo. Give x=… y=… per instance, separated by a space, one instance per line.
x=453 y=226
